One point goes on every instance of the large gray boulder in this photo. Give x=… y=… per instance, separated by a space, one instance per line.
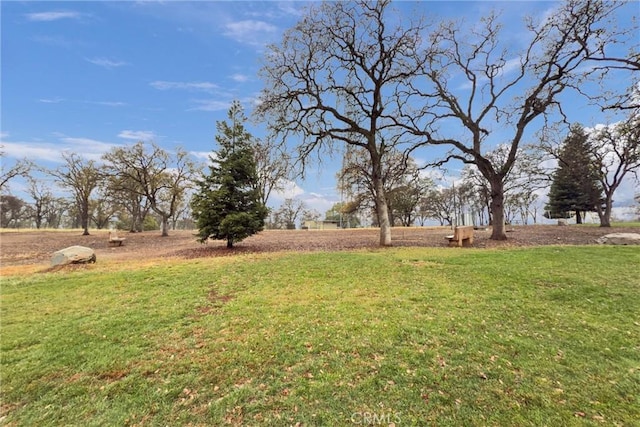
x=73 y=255
x=620 y=239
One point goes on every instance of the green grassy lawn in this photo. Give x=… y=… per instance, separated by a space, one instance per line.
x=539 y=336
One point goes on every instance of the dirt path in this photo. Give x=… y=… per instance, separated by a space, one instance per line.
x=35 y=247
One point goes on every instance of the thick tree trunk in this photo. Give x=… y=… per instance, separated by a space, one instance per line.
x=165 y=226
x=135 y=216
x=578 y=217
x=392 y=219
x=382 y=208
x=382 y=211
x=383 y=217
x=38 y=220
x=605 y=214
x=497 y=210
x=84 y=221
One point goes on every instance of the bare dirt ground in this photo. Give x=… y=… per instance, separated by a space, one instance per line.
x=32 y=247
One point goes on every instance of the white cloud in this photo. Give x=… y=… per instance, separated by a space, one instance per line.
x=108 y=103
x=318 y=202
x=138 y=135
x=625 y=192
x=52 y=151
x=50 y=100
x=192 y=86
x=512 y=64
x=34 y=151
x=435 y=175
x=251 y=32
x=546 y=16
x=240 y=78
x=315 y=201
x=58 y=100
x=52 y=16
x=222 y=101
x=106 y=63
x=549 y=165
x=211 y=105
x=290 y=190
x=86 y=147
x=289 y=8
x=204 y=155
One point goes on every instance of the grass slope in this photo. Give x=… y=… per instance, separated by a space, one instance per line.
x=543 y=336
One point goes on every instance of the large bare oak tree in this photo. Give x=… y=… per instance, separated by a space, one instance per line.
x=334 y=80
x=477 y=84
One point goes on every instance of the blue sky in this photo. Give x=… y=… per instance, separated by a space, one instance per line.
x=87 y=76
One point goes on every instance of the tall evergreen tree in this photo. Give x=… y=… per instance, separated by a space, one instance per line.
x=575 y=186
x=227 y=205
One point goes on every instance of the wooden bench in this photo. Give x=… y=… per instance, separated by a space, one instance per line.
x=114 y=240
x=462 y=236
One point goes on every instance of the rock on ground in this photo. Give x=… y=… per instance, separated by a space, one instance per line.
x=73 y=255
x=620 y=239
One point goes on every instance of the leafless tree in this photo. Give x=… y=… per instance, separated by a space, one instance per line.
x=438 y=204
x=400 y=178
x=81 y=177
x=502 y=90
x=288 y=213
x=13 y=211
x=182 y=212
x=404 y=200
x=127 y=194
x=56 y=213
x=608 y=61
x=273 y=166
x=20 y=168
x=154 y=174
x=310 y=215
x=525 y=177
x=103 y=207
x=615 y=150
x=332 y=80
x=479 y=194
x=44 y=203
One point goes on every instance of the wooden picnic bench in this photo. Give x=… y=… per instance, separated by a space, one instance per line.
x=462 y=236
x=114 y=240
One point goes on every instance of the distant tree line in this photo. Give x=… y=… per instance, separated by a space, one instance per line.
x=146 y=187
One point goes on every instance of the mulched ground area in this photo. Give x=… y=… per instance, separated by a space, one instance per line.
x=35 y=247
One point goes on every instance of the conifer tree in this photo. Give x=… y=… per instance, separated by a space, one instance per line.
x=575 y=186
x=227 y=205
